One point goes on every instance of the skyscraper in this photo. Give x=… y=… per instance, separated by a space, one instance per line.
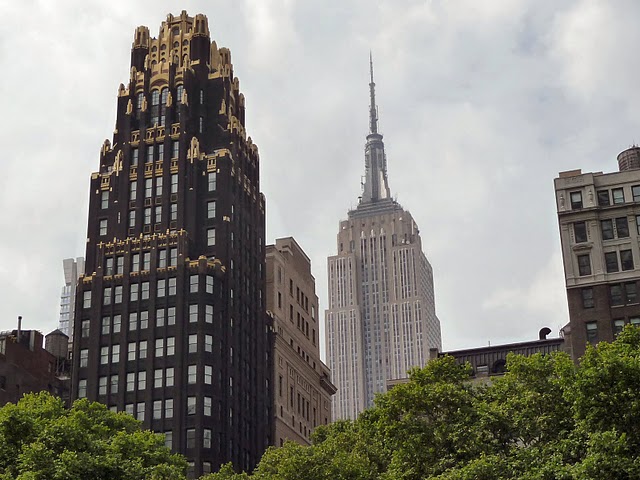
x=599 y=219
x=381 y=319
x=170 y=318
x=73 y=268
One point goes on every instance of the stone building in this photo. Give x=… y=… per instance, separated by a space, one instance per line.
x=302 y=383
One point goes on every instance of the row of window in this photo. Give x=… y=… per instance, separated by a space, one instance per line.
x=619 y=294
x=611 y=228
x=164 y=287
x=612 y=264
x=615 y=196
x=618 y=325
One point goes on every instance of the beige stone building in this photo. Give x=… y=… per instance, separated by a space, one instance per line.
x=599 y=219
x=381 y=317
x=302 y=383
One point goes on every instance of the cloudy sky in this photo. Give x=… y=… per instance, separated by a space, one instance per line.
x=481 y=105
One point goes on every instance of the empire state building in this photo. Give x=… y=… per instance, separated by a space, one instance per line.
x=381 y=319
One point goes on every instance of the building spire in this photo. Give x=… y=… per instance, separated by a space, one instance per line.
x=375 y=186
x=373 y=110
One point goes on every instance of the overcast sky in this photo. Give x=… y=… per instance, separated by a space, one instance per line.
x=481 y=105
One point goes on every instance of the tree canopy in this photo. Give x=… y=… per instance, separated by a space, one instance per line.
x=546 y=418
x=42 y=440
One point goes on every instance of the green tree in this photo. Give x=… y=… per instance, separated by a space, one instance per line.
x=40 y=439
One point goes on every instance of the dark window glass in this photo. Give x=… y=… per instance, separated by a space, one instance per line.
x=618 y=195
x=622 y=227
x=615 y=294
x=626 y=259
x=618 y=325
x=603 y=198
x=607 y=229
x=635 y=191
x=580 y=231
x=584 y=265
x=611 y=261
x=587 y=298
x=631 y=292
x=576 y=200
x=592 y=331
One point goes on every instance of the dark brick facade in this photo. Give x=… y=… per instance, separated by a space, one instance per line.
x=174 y=328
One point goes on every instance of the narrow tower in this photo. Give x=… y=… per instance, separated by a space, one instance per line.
x=381 y=319
x=170 y=323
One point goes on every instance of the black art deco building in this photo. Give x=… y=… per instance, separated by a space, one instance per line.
x=170 y=319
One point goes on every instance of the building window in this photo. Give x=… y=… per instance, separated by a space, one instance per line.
x=193 y=313
x=622 y=227
x=158 y=186
x=626 y=260
x=207 y=406
x=134 y=157
x=208 y=343
x=146 y=261
x=131 y=351
x=140 y=411
x=133 y=292
x=133 y=321
x=142 y=349
x=160 y=317
x=106 y=298
x=168 y=440
x=144 y=293
x=172 y=286
x=117 y=322
x=82 y=388
x=157 y=378
x=119 y=265
x=580 y=231
x=206 y=438
x=84 y=328
x=584 y=265
x=193 y=283
x=104 y=355
x=168 y=408
x=161 y=288
x=142 y=380
x=592 y=331
x=168 y=378
x=157 y=409
x=208 y=374
x=173 y=211
x=135 y=262
x=147 y=216
x=84 y=357
x=175 y=150
x=191 y=438
x=173 y=257
x=148 y=188
x=117 y=297
x=603 y=198
x=159 y=347
x=615 y=295
x=607 y=229
x=114 y=384
x=211 y=236
x=106 y=325
x=162 y=258
x=208 y=313
x=211 y=209
x=103 y=227
x=576 y=200
x=209 y=284
x=611 y=262
x=150 y=152
x=618 y=325
x=634 y=321
x=132 y=218
x=171 y=346
x=104 y=200
x=631 y=292
x=200 y=124
x=635 y=191
x=192 y=374
x=618 y=195
x=115 y=354
x=212 y=181
x=193 y=343
x=171 y=316
x=191 y=405
x=144 y=319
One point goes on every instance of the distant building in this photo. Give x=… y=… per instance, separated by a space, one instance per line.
x=490 y=361
x=26 y=366
x=73 y=268
x=303 y=388
x=599 y=219
x=381 y=319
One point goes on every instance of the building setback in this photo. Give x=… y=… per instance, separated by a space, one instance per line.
x=381 y=319
x=599 y=219
x=170 y=322
x=303 y=388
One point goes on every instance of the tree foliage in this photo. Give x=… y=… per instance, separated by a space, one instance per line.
x=545 y=419
x=41 y=440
